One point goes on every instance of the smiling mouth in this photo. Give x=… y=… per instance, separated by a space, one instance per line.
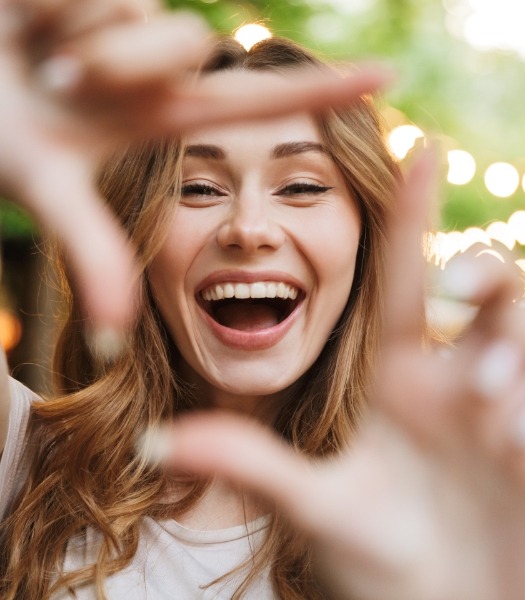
x=250 y=307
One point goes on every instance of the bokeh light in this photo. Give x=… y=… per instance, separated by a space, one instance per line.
x=502 y=179
x=474 y=235
x=248 y=35
x=499 y=231
x=516 y=225
x=10 y=329
x=461 y=167
x=441 y=246
x=402 y=139
x=487 y=25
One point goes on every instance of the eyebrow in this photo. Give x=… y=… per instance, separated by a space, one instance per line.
x=291 y=148
x=205 y=151
x=281 y=151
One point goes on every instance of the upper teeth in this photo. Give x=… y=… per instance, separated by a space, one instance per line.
x=259 y=289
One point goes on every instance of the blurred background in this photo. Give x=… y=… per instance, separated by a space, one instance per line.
x=461 y=66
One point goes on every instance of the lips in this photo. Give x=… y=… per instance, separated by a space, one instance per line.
x=250 y=314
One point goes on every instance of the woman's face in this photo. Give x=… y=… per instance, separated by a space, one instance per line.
x=260 y=257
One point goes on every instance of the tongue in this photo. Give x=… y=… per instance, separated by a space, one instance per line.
x=247 y=317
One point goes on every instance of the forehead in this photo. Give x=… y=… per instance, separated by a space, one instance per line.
x=259 y=136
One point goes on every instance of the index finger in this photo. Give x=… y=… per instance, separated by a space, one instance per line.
x=249 y=95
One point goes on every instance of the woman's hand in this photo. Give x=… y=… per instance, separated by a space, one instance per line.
x=80 y=79
x=83 y=79
x=429 y=502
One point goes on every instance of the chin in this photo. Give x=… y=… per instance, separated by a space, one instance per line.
x=235 y=386
x=253 y=386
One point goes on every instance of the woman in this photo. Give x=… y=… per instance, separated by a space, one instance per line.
x=291 y=213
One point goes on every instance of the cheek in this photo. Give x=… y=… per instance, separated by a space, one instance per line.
x=329 y=241
x=180 y=249
x=333 y=250
x=168 y=271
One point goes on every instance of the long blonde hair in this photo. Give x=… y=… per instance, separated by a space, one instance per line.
x=83 y=470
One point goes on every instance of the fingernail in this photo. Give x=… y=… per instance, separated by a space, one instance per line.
x=496 y=369
x=107 y=344
x=154 y=445
x=462 y=280
x=60 y=74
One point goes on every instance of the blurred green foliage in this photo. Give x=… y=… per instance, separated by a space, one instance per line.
x=15 y=222
x=464 y=98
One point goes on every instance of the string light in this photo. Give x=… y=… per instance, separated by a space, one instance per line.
x=516 y=225
x=474 y=235
x=441 y=246
x=403 y=138
x=487 y=25
x=461 y=167
x=499 y=231
x=248 y=35
x=502 y=179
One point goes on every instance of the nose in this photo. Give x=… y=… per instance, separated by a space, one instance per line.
x=249 y=226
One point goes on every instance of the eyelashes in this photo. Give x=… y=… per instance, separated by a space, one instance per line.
x=299 y=188
x=200 y=189
x=292 y=189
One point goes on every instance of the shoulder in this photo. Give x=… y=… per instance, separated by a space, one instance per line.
x=21 y=400
x=10 y=464
x=20 y=394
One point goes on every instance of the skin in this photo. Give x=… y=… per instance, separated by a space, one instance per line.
x=260 y=201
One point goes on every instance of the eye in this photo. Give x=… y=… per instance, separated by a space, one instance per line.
x=201 y=194
x=302 y=187
x=199 y=189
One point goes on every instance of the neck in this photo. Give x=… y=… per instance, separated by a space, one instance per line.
x=222 y=506
x=262 y=408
